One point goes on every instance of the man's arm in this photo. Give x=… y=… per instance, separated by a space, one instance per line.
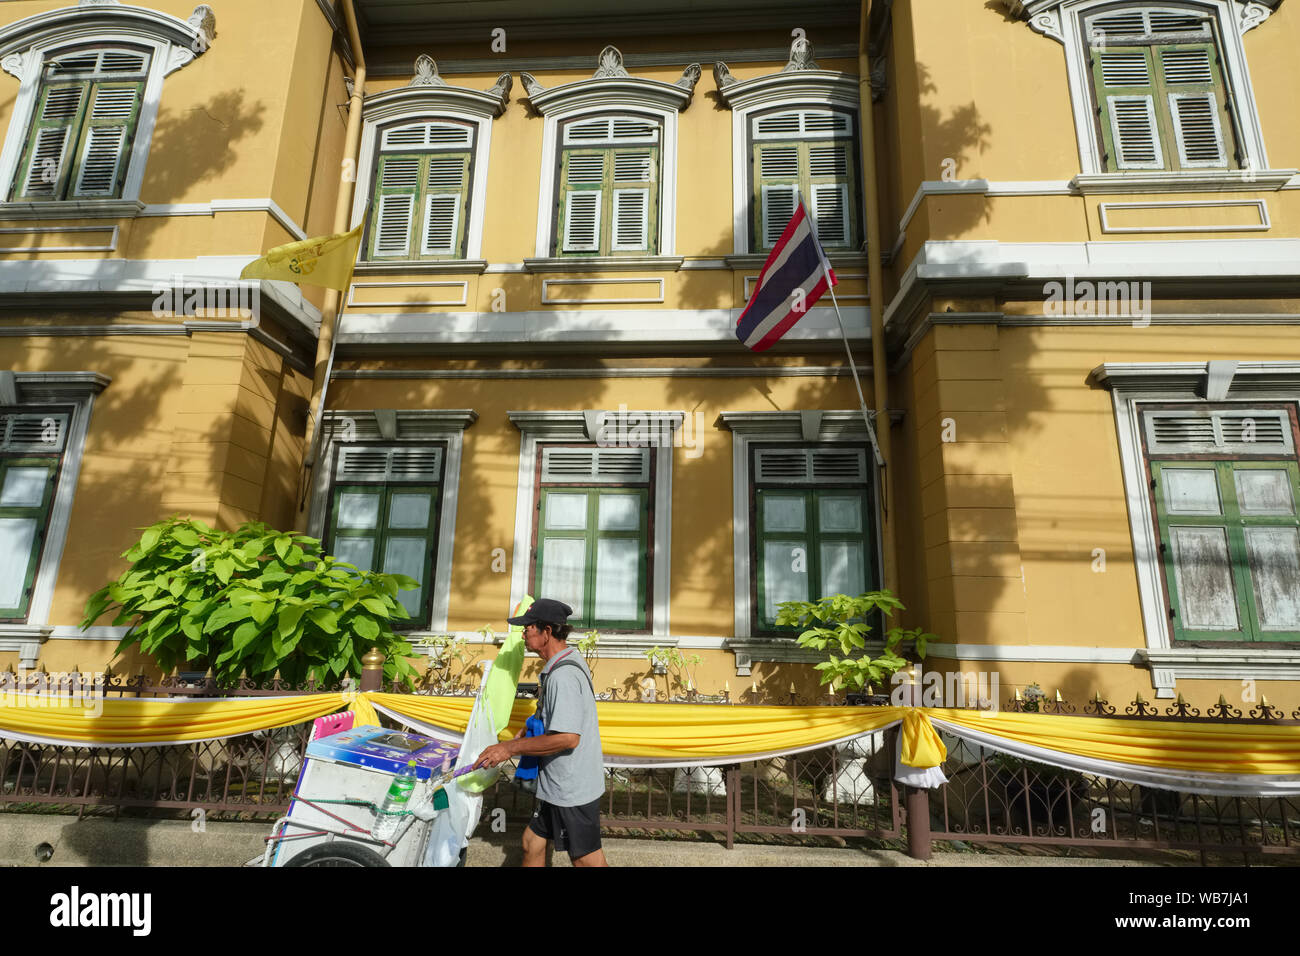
x=542 y=746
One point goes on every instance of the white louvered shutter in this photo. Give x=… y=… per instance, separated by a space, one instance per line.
x=1133 y=125
x=1257 y=431
x=830 y=209
x=1196 y=127
x=443 y=204
x=777 y=207
x=600 y=465
x=393 y=463
x=33 y=432
x=826 y=465
x=582 y=221
x=631 y=219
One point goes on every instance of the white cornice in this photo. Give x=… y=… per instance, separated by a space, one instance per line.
x=810 y=85
x=612 y=85
x=187 y=38
x=1044 y=16
x=413 y=100
x=1190 y=376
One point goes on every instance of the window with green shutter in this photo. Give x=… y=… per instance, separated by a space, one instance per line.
x=1225 y=487
x=809 y=153
x=608 y=196
x=31 y=449
x=592 y=548
x=83 y=129
x=420 y=206
x=815 y=529
x=1161 y=99
x=384 y=516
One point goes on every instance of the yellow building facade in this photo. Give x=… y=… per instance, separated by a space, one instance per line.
x=1084 y=326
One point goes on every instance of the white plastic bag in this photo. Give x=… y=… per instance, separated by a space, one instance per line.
x=454 y=826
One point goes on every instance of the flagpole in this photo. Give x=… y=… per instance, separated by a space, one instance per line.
x=862 y=402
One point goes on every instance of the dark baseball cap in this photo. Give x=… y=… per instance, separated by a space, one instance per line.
x=543 y=611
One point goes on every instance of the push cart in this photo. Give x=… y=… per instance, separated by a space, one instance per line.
x=336 y=804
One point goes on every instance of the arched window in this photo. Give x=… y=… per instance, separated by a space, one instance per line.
x=608 y=186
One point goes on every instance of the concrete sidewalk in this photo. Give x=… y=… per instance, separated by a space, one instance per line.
x=101 y=841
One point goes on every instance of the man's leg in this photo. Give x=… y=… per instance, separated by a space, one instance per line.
x=592 y=859
x=534 y=848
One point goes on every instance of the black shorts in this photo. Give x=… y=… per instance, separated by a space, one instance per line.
x=574 y=829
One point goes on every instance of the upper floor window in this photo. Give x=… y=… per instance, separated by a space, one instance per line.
x=421 y=197
x=84 y=125
x=91 y=83
x=608 y=188
x=1161 y=93
x=809 y=153
x=1161 y=96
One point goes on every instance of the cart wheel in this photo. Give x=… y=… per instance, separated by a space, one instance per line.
x=338 y=853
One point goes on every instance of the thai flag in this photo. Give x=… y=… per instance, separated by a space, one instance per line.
x=795 y=276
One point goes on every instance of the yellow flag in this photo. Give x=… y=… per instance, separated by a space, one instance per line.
x=326 y=261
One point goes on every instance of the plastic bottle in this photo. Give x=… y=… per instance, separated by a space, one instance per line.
x=391 y=811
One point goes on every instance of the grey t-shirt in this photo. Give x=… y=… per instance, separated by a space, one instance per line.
x=570 y=778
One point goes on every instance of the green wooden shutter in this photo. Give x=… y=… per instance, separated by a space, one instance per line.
x=446 y=182
x=26 y=496
x=107 y=138
x=1127 y=103
x=43 y=171
x=634 y=207
x=1192 y=79
x=397 y=190
x=583 y=199
x=784 y=550
x=1230 y=541
x=830 y=188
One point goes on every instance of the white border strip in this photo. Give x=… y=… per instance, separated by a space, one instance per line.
x=1263 y=225
x=629 y=280
x=38 y=230
x=415 y=303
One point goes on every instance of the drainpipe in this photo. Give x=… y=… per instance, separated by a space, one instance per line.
x=876 y=301
x=333 y=298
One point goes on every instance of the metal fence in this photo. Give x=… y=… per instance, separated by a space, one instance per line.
x=843 y=792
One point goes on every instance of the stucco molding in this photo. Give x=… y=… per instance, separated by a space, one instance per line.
x=25 y=640
x=429 y=94
x=612 y=80
x=1044 y=16
x=1192 y=383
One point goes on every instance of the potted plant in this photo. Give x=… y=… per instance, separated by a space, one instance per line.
x=839 y=623
x=253 y=602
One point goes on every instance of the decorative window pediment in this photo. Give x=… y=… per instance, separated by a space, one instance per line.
x=1045 y=15
x=612 y=85
x=428 y=93
x=800 y=79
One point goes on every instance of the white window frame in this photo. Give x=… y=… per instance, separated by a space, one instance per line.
x=767 y=428
x=395 y=427
x=26 y=45
x=800 y=89
x=584 y=427
x=77 y=389
x=1063 y=21
x=593 y=104
x=1197 y=384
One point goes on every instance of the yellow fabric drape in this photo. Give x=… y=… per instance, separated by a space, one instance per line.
x=683 y=732
x=1171 y=745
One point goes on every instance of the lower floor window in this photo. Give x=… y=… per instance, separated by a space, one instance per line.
x=389 y=525
x=593 y=540
x=26 y=493
x=814 y=528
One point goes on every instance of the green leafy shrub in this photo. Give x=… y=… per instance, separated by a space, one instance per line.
x=252 y=602
x=841 y=626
